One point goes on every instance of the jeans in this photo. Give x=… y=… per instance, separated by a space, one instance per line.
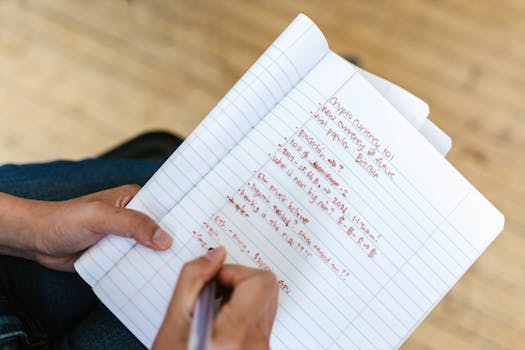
x=47 y=309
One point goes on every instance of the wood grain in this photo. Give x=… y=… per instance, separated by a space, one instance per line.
x=78 y=77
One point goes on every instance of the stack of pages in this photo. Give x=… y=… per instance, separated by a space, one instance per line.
x=327 y=175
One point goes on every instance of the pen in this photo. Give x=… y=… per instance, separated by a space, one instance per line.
x=201 y=325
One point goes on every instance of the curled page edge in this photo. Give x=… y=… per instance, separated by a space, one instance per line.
x=437 y=137
x=414 y=109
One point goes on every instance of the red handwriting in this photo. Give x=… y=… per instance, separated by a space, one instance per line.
x=200 y=238
x=365 y=228
x=347 y=125
x=325 y=173
x=341 y=109
x=364 y=163
x=256 y=257
x=360 y=125
x=279 y=162
x=353 y=136
x=250 y=201
x=339 y=138
x=283 y=214
x=211 y=230
x=383 y=166
x=320 y=182
x=316 y=146
x=258 y=193
x=259 y=260
x=301 y=177
x=238 y=207
x=296 y=244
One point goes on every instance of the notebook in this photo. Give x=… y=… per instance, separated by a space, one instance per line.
x=326 y=174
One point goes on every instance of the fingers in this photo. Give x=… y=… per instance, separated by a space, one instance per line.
x=253 y=303
x=104 y=218
x=106 y=214
x=257 y=284
x=194 y=274
x=232 y=275
x=244 y=322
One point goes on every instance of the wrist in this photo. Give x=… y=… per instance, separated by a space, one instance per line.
x=22 y=223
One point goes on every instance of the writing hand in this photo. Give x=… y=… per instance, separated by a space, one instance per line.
x=244 y=322
x=56 y=233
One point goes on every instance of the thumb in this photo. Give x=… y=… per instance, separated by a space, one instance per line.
x=104 y=218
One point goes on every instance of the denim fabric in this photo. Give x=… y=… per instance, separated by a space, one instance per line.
x=12 y=333
x=46 y=309
x=61 y=179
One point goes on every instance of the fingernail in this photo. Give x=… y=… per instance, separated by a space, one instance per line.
x=162 y=239
x=213 y=253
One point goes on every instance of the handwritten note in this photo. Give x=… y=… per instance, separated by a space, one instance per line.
x=332 y=191
x=295 y=52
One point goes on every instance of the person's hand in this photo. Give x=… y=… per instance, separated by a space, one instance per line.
x=244 y=322
x=56 y=233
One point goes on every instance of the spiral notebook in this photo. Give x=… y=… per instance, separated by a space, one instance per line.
x=329 y=176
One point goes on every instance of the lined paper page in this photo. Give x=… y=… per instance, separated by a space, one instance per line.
x=293 y=54
x=365 y=224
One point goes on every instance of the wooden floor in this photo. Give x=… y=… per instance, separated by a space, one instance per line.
x=77 y=77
